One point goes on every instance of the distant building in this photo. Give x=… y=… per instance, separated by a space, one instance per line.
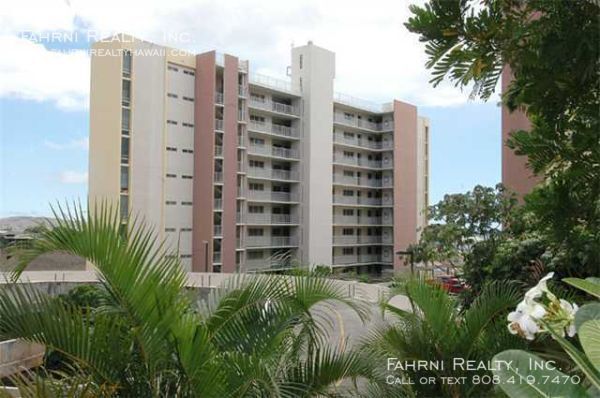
x=516 y=176
x=244 y=172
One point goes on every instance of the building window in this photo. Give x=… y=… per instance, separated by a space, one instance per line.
x=188 y=99
x=255 y=255
x=255 y=232
x=188 y=72
x=124 y=206
x=258 y=119
x=187 y=125
x=347 y=231
x=257 y=141
x=256 y=187
x=348 y=173
x=256 y=209
x=171 y=149
x=172 y=68
x=170 y=202
x=124 y=149
x=256 y=163
x=126 y=93
x=348 y=154
x=186 y=177
x=126 y=63
x=124 y=179
x=301 y=59
x=171 y=95
x=348 y=212
x=173 y=122
x=170 y=229
x=348 y=251
x=186 y=203
x=187 y=150
x=171 y=175
x=185 y=229
x=348 y=192
x=125 y=121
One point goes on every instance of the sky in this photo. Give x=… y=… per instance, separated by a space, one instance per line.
x=45 y=75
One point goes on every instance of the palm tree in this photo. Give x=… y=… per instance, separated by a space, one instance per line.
x=257 y=336
x=438 y=331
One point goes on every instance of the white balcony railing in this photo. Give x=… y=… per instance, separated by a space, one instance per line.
x=266 y=150
x=362 y=124
x=218 y=177
x=356 y=239
x=366 y=182
x=219 y=98
x=218 y=204
x=356 y=161
x=276 y=129
x=273 y=106
x=216 y=257
x=272 y=196
x=354 y=141
x=271 y=219
x=285 y=175
x=217 y=230
x=274 y=241
x=219 y=124
x=359 y=200
x=218 y=150
x=354 y=220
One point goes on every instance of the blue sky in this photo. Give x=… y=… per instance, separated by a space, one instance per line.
x=45 y=90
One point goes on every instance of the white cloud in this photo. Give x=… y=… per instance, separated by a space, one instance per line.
x=377 y=57
x=30 y=71
x=82 y=144
x=73 y=177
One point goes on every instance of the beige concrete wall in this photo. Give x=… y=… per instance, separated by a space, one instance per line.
x=16 y=355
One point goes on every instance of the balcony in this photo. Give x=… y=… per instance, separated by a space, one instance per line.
x=218 y=204
x=216 y=257
x=274 y=129
x=269 y=219
x=265 y=196
x=341 y=139
x=360 y=181
x=218 y=150
x=241 y=141
x=363 y=201
x=356 y=239
x=218 y=177
x=273 y=106
x=356 y=259
x=273 y=241
x=356 y=161
x=266 y=264
x=219 y=124
x=362 y=124
x=271 y=151
x=242 y=91
x=219 y=98
x=355 y=220
x=217 y=230
x=271 y=174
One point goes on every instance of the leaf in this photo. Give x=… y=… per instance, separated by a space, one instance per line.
x=518 y=378
x=585 y=313
x=589 y=336
x=589 y=285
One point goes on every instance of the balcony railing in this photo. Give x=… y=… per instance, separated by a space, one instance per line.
x=242 y=91
x=267 y=263
x=217 y=230
x=272 y=174
x=267 y=150
x=218 y=204
x=219 y=98
x=341 y=139
x=355 y=161
x=356 y=239
x=216 y=257
x=218 y=177
x=272 y=196
x=276 y=129
x=356 y=259
x=218 y=150
x=354 y=220
x=274 y=106
x=361 y=181
x=271 y=219
x=271 y=82
x=219 y=124
x=273 y=241
x=362 y=124
x=359 y=200
x=241 y=140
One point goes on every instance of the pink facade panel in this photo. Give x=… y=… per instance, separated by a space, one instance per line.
x=230 y=123
x=516 y=176
x=405 y=178
x=204 y=142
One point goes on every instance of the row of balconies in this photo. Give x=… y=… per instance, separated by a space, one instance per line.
x=361 y=259
x=385 y=182
x=362 y=200
x=361 y=239
x=269 y=241
x=274 y=174
x=273 y=106
x=267 y=150
x=275 y=129
x=355 y=220
x=266 y=263
x=341 y=139
x=356 y=161
x=267 y=196
x=363 y=124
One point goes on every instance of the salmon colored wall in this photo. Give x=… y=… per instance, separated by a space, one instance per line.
x=405 y=178
x=230 y=98
x=516 y=176
x=204 y=142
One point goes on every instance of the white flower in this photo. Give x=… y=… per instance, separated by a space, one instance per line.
x=539 y=289
x=523 y=321
x=570 y=310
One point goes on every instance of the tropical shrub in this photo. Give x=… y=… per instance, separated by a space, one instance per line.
x=436 y=330
x=257 y=336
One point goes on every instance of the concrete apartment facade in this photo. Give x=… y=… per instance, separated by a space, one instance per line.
x=241 y=172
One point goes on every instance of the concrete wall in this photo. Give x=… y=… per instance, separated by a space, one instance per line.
x=315 y=80
x=16 y=355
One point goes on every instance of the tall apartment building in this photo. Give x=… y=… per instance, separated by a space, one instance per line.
x=241 y=172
